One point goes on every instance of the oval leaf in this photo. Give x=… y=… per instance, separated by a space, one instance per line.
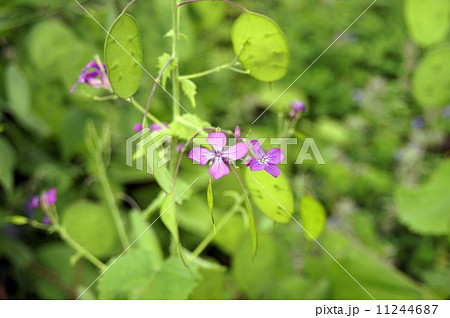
x=271 y=195
x=92 y=226
x=261 y=46
x=313 y=217
x=123 y=54
x=428 y=91
x=427 y=20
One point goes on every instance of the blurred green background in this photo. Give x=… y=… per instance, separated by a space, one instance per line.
x=378 y=107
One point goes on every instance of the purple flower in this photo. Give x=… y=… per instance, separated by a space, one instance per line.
x=137 y=127
x=156 y=127
x=219 y=155
x=237 y=133
x=267 y=161
x=46 y=220
x=297 y=106
x=49 y=197
x=34 y=203
x=418 y=122
x=94 y=75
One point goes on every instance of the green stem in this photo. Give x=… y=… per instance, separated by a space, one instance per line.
x=149 y=115
x=111 y=201
x=81 y=250
x=175 y=72
x=207 y=72
x=208 y=239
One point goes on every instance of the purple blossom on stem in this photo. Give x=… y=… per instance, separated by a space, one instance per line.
x=220 y=156
x=94 y=75
x=33 y=203
x=49 y=197
x=137 y=127
x=237 y=133
x=266 y=161
x=297 y=107
x=156 y=127
x=46 y=220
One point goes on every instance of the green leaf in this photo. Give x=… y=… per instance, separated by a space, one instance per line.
x=428 y=91
x=7 y=164
x=129 y=273
x=124 y=71
x=251 y=224
x=92 y=226
x=425 y=209
x=186 y=126
x=210 y=199
x=313 y=216
x=427 y=20
x=162 y=61
x=173 y=281
x=261 y=46
x=269 y=193
x=190 y=90
x=168 y=214
x=146 y=237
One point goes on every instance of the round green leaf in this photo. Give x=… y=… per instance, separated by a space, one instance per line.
x=92 y=226
x=313 y=216
x=427 y=20
x=432 y=79
x=261 y=45
x=123 y=54
x=271 y=195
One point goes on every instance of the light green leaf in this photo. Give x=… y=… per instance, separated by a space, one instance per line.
x=92 y=226
x=261 y=45
x=428 y=91
x=186 y=126
x=425 y=209
x=7 y=164
x=210 y=199
x=162 y=61
x=147 y=239
x=124 y=71
x=169 y=216
x=427 y=20
x=190 y=90
x=130 y=272
x=269 y=193
x=173 y=281
x=313 y=216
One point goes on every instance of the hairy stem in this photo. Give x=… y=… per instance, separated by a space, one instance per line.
x=175 y=72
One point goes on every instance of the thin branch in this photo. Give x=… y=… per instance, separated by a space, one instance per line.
x=147 y=107
x=128 y=5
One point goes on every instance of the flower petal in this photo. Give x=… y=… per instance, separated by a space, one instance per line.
x=257 y=150
x=218 y=169
x=217 y=140
x=275 y=155
x=236 y=152
x=50 y=197
x=255 y=165
x=273 y=170
x=201 y=155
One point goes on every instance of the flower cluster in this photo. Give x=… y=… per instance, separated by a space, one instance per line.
x=47 y=198
x=94 y=75
x=154 y=127
x=221 y=156
x=297 y=107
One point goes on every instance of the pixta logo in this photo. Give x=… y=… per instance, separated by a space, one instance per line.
x=153 y=147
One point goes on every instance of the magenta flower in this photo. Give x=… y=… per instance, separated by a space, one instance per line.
x=34 y=203
x=237 y=133
x=137 y=127
x=267 y=161
x=297 y=107
x=46 y=220
x=94 y=75
x=220 y=156
x=49 y=197
x=156 y=127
